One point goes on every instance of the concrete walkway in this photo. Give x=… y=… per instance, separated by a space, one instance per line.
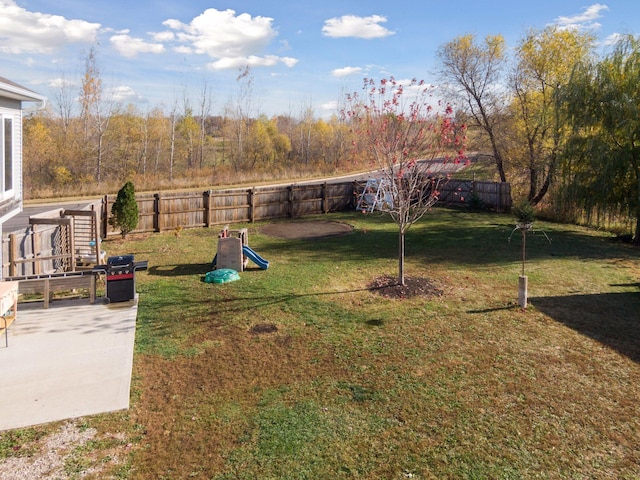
x=70 y=360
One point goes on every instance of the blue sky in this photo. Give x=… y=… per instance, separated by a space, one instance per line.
x=153 y=53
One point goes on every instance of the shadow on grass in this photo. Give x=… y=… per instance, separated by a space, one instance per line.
x=179 y=269
x=612 y=319
x=495 y=309
x=457 y=237
x=159 y=333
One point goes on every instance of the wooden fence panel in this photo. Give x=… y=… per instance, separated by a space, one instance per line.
x=33 y=251
x=147 y=214
x=306 y=200
x=339 y=197
x=182 y=210
x=455 y=192
x=229 y=206
x=272 y=203
x=496 y=195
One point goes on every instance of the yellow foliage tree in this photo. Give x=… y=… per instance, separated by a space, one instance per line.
x=545 y=60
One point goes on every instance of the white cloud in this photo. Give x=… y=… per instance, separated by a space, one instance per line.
x=165 y=36
x=61 y=82
x=586 y=19
x=129 y=46
x=330 y=106
x=359 y=27
x=252 y=61
x=289 y=61
x=232 y=40
x=346 y=71
x=124 y=94
x=32 y=32
x=184 y=50
x=612 y=39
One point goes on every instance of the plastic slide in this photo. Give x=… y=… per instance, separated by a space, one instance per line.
x=255 y=258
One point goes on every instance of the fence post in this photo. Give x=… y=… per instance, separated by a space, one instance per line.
x=252 y=199
x=156 y=213
x=13 y=254
x=35 y=248
x=104 y=217
x=290 y=189
x=325 y=201
x=207 y=208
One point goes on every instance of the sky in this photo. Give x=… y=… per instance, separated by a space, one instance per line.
x=301 y=54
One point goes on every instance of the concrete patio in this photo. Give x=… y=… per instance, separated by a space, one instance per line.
x=70 y=360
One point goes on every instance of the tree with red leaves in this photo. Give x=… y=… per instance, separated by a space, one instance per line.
x=404 y=136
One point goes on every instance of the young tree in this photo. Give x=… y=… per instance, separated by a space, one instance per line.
x=602 y=100
x=187 y=128
x=397 y=128
x=124 y=210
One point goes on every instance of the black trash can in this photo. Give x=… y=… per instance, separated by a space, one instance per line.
x=120 y=277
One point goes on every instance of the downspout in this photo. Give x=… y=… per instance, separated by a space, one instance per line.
x=38 y=106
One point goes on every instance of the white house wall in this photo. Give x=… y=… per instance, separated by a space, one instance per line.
x=16 y=115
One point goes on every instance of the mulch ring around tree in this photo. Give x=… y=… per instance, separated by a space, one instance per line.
x=388 y=286
x=306 y=230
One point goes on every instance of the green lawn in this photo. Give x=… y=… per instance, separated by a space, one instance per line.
x=355 y=385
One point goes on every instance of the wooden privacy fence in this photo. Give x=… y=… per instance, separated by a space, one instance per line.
x=36 y=250
x=493 y=195
x=64 y=239
x=159 y=212
x=168 y=211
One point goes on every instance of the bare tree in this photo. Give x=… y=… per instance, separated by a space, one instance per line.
x=475 y=71
x=203 y=114
x=238 y=117
x=63 y=102
x=173 y=120
x=96 y=111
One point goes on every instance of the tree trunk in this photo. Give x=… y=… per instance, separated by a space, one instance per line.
x=497 y=156
x=401 y=257
x=636 y=239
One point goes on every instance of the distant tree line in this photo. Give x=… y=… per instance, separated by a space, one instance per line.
x=558 y=121
x=85 y=142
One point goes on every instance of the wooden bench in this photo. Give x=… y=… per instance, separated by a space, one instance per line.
x=47 y=284
x=8 y=307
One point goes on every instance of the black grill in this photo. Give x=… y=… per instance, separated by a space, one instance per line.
x=120 y=277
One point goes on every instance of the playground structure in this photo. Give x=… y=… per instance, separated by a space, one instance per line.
x=376 y=195
x=234 y=251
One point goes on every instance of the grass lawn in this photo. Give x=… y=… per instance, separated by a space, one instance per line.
x=350 y=384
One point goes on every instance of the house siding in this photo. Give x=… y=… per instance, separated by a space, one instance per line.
x=10 y=103
x=12 y=97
